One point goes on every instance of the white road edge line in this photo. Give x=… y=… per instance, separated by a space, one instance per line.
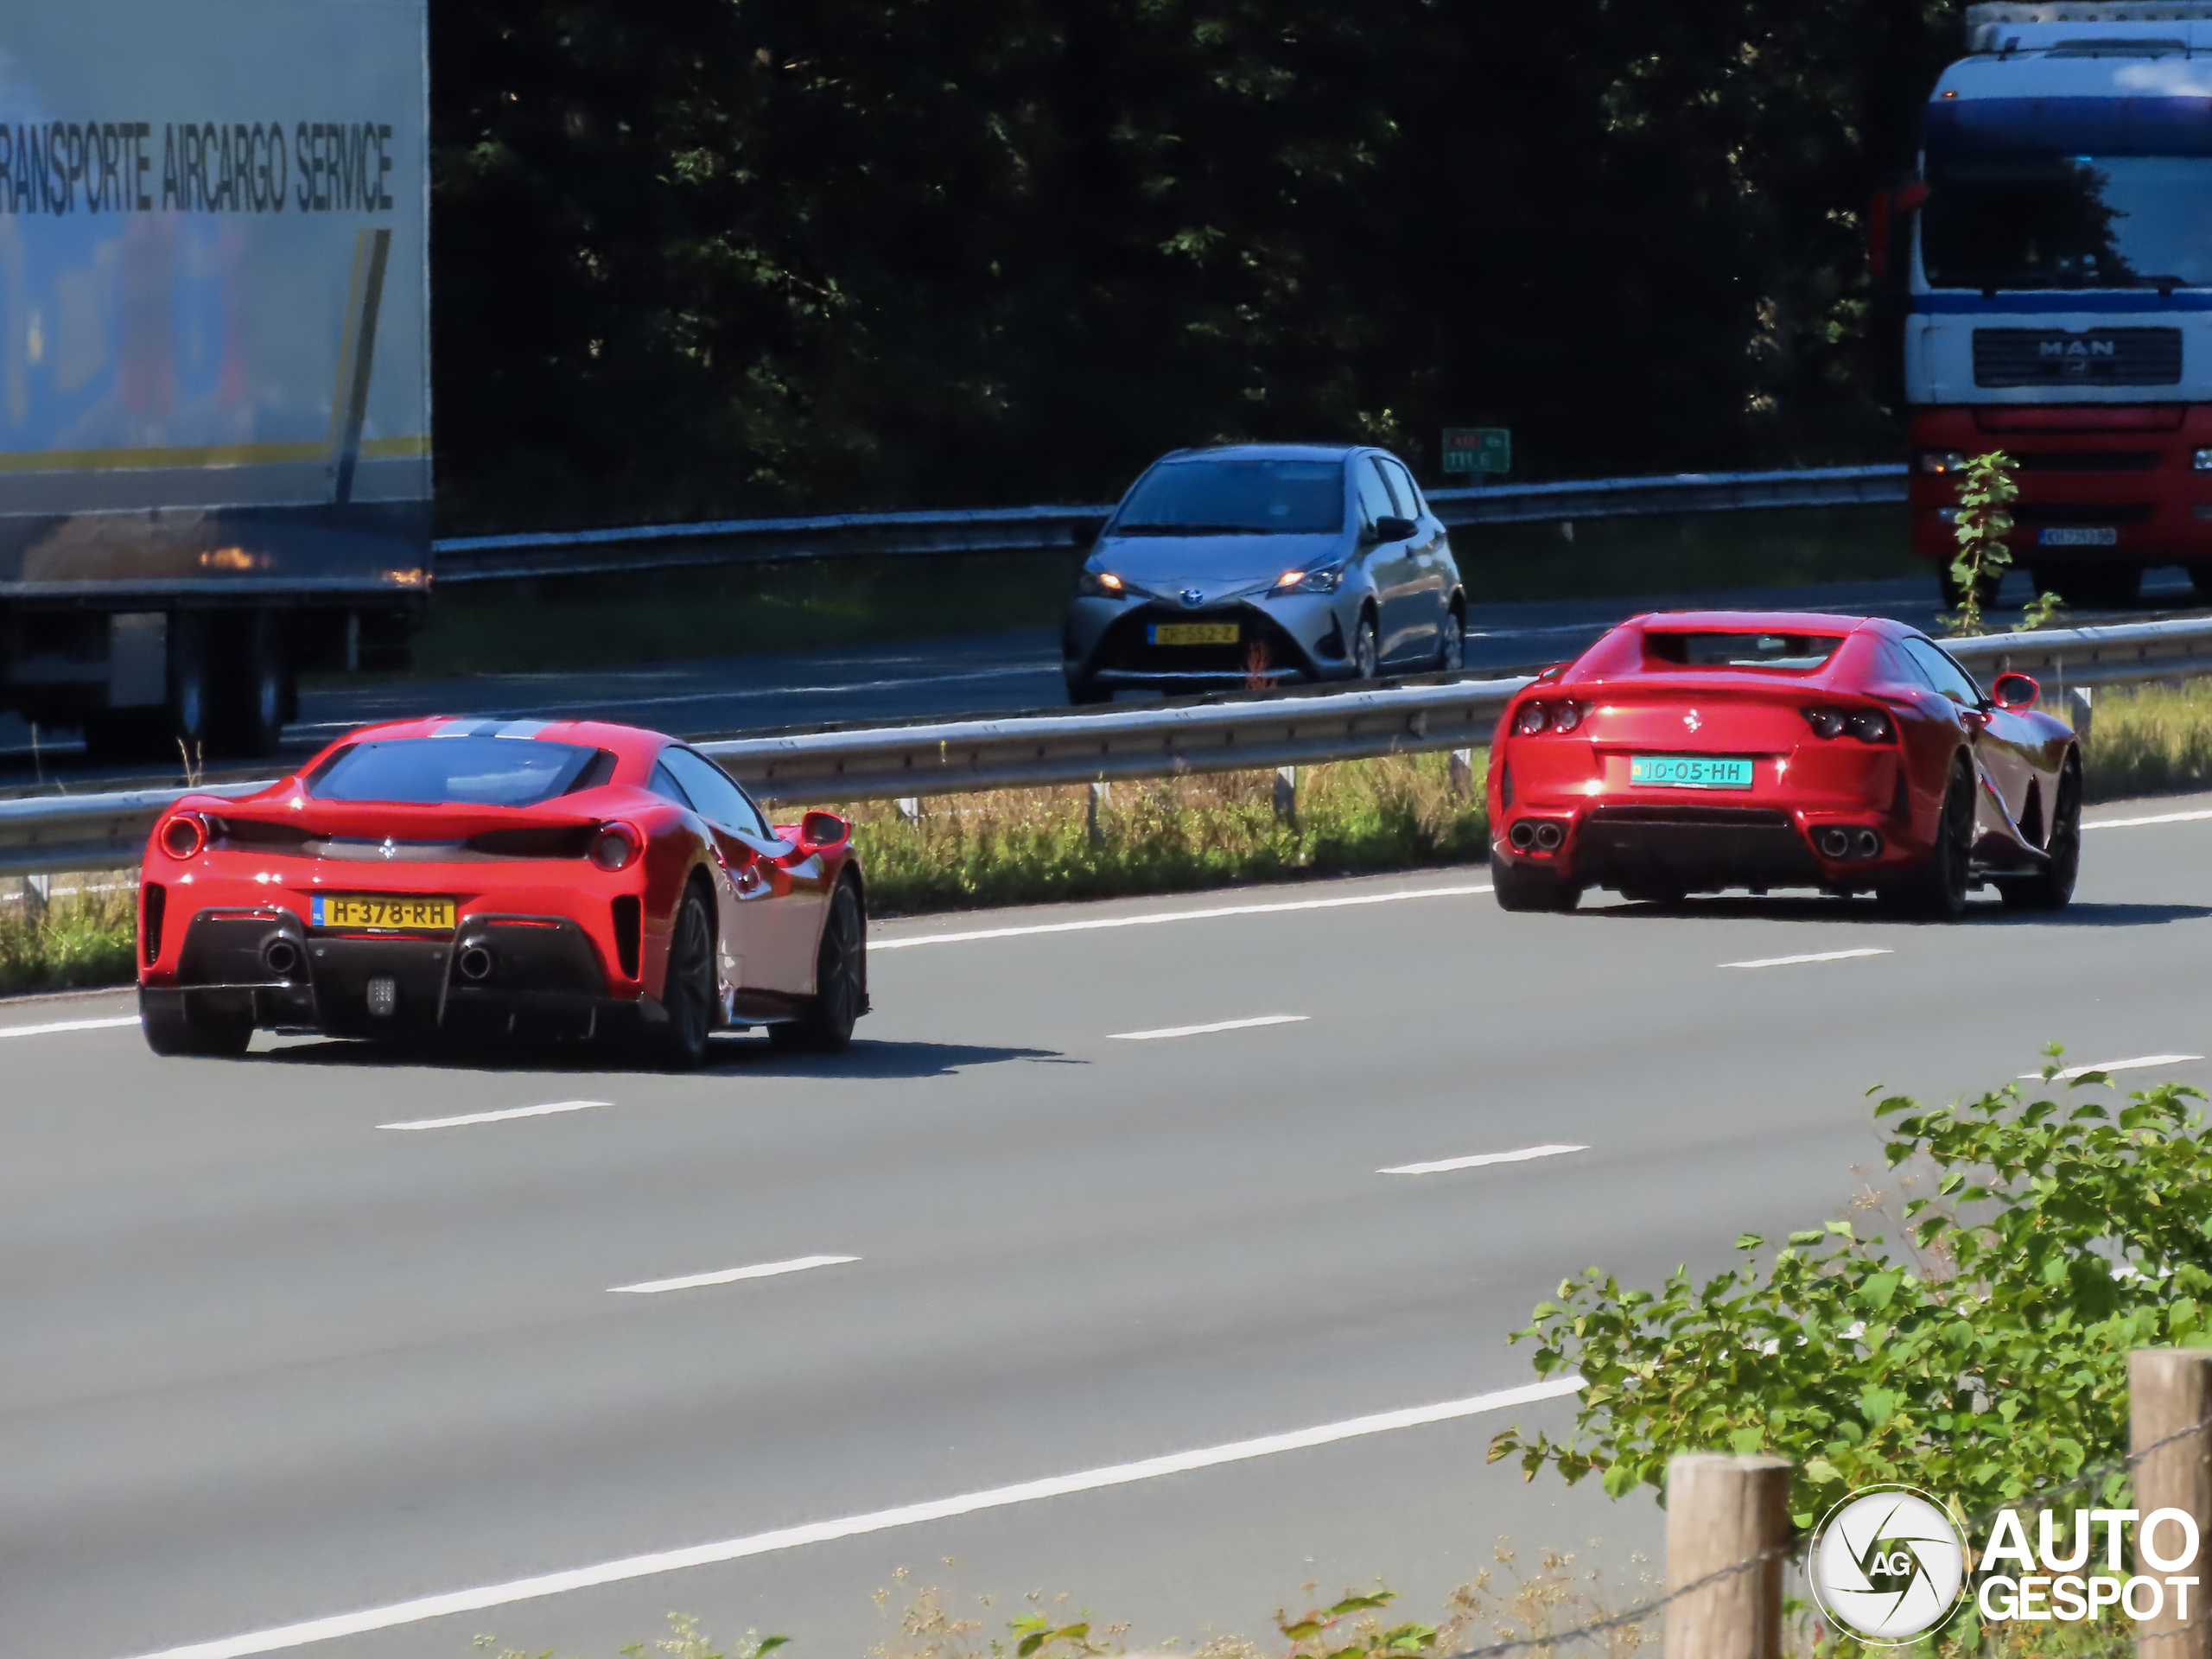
x=1480 y=1159
x=115 y=1024
x=1815 y=956
x=763 y=1543
x=497 y=1118
x=2136 y=1064
x=729 y=1275
x=2162 y=817
x=1175 y=916
x=1200 y=1031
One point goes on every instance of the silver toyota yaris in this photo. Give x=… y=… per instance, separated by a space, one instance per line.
x=1262 y=564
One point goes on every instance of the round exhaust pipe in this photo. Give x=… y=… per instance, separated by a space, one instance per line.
x=474 y=962
x=1835 y=842
x=1867 y=843
x=1522 y=834
x=281 y=957
x=1548 y=836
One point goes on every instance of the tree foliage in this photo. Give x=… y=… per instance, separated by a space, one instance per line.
x=1983 y=1359
x=693 y=254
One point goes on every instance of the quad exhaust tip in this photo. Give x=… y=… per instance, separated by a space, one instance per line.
x=1837 y=841
x=1542 y=833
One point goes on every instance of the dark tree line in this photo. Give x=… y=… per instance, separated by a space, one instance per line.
x=740 y=255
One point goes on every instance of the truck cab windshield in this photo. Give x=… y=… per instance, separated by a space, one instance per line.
x=2069 y=221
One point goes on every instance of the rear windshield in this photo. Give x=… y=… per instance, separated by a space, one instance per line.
x=1236 y=498
x=1797 y=650
x=460 y=771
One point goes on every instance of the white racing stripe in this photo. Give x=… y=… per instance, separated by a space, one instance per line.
x=114 y=1024
x=1815 y=956
x=1478 y=1159
x=1200 y=1031
x=1175 y=916
x=729 y=1275
x=497 y=1118
x=763 y=1543
x=2161 y=818
x=2137 y=1063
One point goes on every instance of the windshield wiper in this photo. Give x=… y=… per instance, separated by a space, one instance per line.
x=1198 y=530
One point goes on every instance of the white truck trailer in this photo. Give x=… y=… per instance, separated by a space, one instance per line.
x=2060 y=270
x=214 y=359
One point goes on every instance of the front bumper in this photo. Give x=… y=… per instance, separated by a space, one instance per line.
x=1295 y=639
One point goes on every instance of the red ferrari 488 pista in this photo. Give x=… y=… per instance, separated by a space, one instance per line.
x=561 y=877
x=1697 y=751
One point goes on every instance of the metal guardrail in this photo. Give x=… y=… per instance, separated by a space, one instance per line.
x=1035 y=530
x=92 y=832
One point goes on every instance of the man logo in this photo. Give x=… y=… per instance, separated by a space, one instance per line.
x=1889 y=1564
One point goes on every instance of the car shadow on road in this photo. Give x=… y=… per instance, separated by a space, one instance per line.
x=730 y=1056
x=1980 y=912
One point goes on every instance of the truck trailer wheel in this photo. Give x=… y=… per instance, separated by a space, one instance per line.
x=154 y=733
x=250 y=691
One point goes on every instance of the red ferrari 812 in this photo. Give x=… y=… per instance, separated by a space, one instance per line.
x=541 y=877
x=1697 y=751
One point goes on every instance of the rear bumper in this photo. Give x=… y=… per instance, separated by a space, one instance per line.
x=492 y=969
x=1691 y=846
x=2083 y=468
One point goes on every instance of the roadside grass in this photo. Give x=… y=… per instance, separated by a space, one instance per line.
x=84 y=938
x=1018 y=847
x=1014 y=847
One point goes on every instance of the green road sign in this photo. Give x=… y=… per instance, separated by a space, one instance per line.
x=1477 y=449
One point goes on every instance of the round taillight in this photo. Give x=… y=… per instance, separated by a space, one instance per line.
x=615 y=846
x=1567 y=717
x=1827 y=722
x=183 y=835
x=1531 y=720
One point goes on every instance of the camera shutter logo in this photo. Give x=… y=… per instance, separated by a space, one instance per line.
x=1888 y=1564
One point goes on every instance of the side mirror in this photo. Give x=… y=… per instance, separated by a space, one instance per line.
x=1391 y=528
x=2015 y=691
x=1084 y=531
x=819 y=830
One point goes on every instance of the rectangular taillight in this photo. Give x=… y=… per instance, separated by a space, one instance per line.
x=153 y=901
x=629 y=926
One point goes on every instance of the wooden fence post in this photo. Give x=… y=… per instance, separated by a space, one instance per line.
x=1722 y=1509
x=2169 y=1392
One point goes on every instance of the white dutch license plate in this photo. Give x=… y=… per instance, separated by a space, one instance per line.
x=2100 y=535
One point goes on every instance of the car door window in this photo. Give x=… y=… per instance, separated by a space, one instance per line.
x=1375 y=500
x=1943 y=673
x=1410 y=504
x=663 y=783
x=712 y=791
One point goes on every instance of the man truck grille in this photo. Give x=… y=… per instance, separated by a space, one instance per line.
x=2096 y=356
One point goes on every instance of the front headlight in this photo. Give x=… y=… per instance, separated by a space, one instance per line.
x=1943 y=460
x=1324 y=581
x=1100 y=584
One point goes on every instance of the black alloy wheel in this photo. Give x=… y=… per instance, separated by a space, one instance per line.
x=2091 y=588
x=173 y=1027
x=840 y=980
x=1518 y=887
x=1938 y=890
x=1366 y=648
x=688 y=994
x=1452 y=651
x=2052 y=887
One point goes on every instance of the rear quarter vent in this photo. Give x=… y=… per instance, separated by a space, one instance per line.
x=153 y=903
x=629 y=926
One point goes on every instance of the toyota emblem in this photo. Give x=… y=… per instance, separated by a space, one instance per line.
x=1194 y=596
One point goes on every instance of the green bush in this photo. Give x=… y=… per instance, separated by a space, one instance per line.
x=85 y=938
x=1982 y=1358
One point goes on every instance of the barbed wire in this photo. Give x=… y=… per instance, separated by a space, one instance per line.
x=2037 y=1501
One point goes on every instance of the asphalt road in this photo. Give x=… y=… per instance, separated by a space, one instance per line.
x=981 y=674
x=262 y=1361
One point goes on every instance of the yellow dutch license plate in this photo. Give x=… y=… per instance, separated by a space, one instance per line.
x=1194 y=633
x=383 y=910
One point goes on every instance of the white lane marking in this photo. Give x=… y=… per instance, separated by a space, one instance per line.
x=497 y=1118
x=1476 y=1162
x=1816 y=956
x=116 y=1023
x=729 y=1275
x=2162 y=817
x=1200 y=1031
x=2136 y=1064
x=818 y=1532
x=1175 y=916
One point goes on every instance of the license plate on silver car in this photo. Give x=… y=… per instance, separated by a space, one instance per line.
x=2098 y=536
